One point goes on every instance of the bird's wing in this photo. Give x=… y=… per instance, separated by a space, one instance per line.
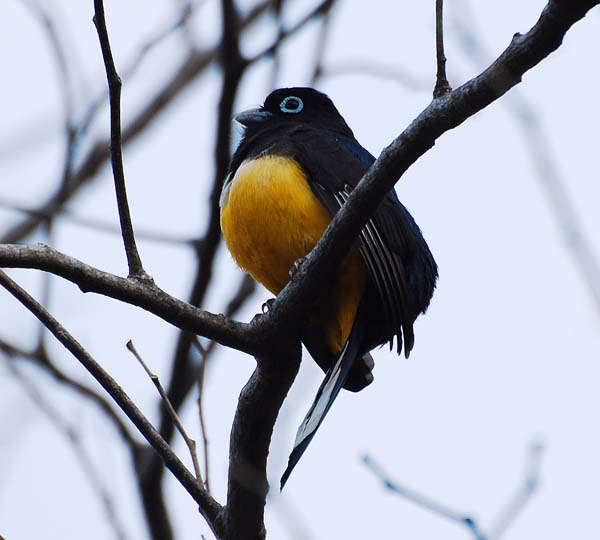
x=334 y=166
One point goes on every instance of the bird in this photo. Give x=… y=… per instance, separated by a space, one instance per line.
x=296 y=164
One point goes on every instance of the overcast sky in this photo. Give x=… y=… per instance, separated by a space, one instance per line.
x=508 y=353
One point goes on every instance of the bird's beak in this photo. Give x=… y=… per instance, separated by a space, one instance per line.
x=252 y=116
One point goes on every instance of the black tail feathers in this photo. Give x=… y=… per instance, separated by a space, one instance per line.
x=335 y=379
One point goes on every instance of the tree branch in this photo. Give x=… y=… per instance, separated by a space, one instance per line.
x=195 y=63
x=442 y=115
x=507 y=516
x=274 y=334
x=424 y=501
x=255 y=416
x=441 y=81
x=209 y=507
x=114 y=88
x=190 y=443
x=145 y=295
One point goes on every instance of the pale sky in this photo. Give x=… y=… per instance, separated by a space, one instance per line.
x=508 y=353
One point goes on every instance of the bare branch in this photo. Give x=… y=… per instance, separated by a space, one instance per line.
x=321 y=46
x=114 y=87
x=68 y=215
x=181 y=380
x=245 y=289
x=190 y=443
x=192 y=66
x=274 y=334
x=513 y=508
x=422 y=500
x=321 y=9
x=187 y=9
x=257 y=410
x=209 y=508
x=516 y=505
x=145 y=295
x=442 y=115
x=441 y=81
x=373 y=68
x=204 y=356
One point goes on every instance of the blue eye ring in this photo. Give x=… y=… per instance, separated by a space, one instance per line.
x=284 y=105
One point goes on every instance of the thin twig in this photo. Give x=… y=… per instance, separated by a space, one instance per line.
x=374 y=68
x=245 y=289
x=204 y=356
x=46 y=280
x=422 y=500
x=196 y=63
x=321 y=47
x=321 y=9
x=507 y=516
x=114 y=87
x=441 y=81
x=208 y=506
x=54 y=37
x=517 y=503
x=100 y=225
x=133 y=65
x=441 y=115
x=191 y=443
x=277 y=10
x=181 y=377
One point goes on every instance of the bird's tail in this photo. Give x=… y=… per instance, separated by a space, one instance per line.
x=328 y=391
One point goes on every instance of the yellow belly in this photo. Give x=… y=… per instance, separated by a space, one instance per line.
x=270 y=218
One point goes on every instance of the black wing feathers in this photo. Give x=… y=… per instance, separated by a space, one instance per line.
x=389 y=279
x=335 y=165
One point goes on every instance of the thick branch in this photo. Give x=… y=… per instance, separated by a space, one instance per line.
x=247 y=485
x=145 y=295
x=443 y=114
x=256 y=413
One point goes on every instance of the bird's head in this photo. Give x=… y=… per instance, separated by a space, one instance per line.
x=298 y=105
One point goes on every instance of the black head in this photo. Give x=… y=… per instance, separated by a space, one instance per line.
x=295 y=105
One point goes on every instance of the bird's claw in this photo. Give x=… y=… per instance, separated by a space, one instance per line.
x=266 y=307
x=296 y=267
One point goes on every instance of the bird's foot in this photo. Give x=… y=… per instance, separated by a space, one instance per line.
x=296 y=267
x=266 y=307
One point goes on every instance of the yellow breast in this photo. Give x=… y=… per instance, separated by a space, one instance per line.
x=270 y=218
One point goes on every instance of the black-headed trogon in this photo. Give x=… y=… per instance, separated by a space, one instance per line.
x=296 y=164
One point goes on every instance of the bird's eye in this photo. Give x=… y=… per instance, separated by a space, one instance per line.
x=291 y=104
